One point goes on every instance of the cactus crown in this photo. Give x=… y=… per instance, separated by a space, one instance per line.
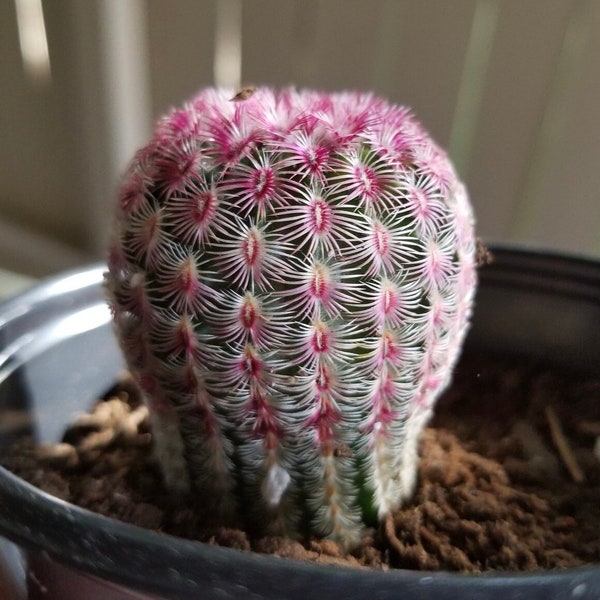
x=291 y=276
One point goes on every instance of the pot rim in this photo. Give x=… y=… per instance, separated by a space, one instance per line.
x=151 y=561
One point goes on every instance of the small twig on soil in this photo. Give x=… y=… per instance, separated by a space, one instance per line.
x=589 y=428
x=539 y=457
x=563 y=447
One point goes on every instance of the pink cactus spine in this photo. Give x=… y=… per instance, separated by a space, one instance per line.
x=291 y=276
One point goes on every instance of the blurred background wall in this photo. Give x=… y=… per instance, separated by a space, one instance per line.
x=510 y=87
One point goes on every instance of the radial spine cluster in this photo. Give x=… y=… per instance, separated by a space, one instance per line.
x=291 y=276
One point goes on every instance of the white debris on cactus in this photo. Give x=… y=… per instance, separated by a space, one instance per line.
x=292 y=276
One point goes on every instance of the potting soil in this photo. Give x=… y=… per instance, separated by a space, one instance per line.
x=508 y=478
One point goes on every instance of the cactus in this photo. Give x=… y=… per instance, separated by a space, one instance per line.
x=291 y=276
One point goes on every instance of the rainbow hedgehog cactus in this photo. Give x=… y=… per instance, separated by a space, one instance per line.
x=291 y=276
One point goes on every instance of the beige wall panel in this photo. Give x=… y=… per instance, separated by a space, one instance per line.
x=274 y=34
x=519 y=80
x=419 y=57
x=412 y=53
x=532 y=163
x=340 y=46
x=563 y=200
x=39 y=183
x=181 y=42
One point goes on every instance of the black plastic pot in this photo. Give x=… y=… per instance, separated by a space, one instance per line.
x=57 y=354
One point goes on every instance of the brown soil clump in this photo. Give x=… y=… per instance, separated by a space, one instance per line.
x=494 y=491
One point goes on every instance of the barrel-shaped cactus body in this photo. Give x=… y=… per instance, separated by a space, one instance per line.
x=291 y=276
